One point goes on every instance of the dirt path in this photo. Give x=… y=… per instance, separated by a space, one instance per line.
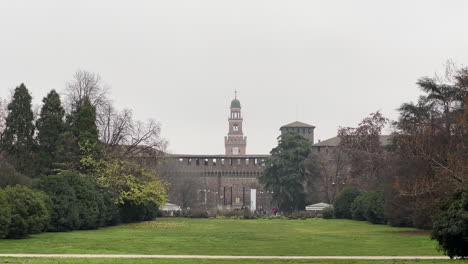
x=216 y=257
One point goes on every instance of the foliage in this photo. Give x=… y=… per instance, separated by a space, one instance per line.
x=369 y=206
x=328 y=212
x=375 y=207
x=300 y=215
x=76 y=202
x=343 y=202
x=51 y=128
x=9 y=176
x=365 y=151
x=130 y=182
x=198 y=213
x=359 y=207
x=130 y=212
x=432 y=141
x=285 y=173
x=5 y=215
x=29 y=211
x=451 y=225
x=17 y=139
x=82 y=135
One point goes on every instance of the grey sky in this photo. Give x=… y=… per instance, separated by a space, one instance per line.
x=179 y=62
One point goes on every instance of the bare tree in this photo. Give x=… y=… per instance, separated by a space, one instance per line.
x=366 y=154
x=121 y=134
x=86 y=84
x=333 y=173
x=126 y=137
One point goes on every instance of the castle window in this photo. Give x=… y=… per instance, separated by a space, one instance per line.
x=310 y=130
x=235 y=127
x=222 y=162
x=214 y=162
x=206 y=162
x=189 y=161
x=235 y=151
x=246 y=161
x=198 y=162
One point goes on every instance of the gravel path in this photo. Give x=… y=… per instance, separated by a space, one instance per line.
x=214 y=257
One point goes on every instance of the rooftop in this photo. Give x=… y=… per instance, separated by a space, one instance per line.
x=334 y=141
x=298 y=124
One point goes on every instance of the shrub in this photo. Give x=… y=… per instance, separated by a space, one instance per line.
x=9 y=176
x=343 y=202
x=359 y=208
x=29 y=212
x=76 y=203
x=130 y=212
x=375 y=207
x=5 y=215
x=328 y=213
x=110 y=214
x=197 y=213
x=450 y=226
x=299 y=215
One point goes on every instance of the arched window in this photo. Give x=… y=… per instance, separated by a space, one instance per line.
x=235 y=127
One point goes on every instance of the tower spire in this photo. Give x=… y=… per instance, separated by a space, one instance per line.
x=235 y=93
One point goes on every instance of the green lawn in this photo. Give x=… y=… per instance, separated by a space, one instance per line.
x=232 y=237
x=188 y=261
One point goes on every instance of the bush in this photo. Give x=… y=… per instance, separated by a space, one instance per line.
x=29 y=212
x=5 y=215
x=359 y=208
x=9 y=176
x=450 y=226
x=130 y=212
x=110 y=214
x=299 y=215
x=197 y=213
x=76 y=203
x=328 y=213
x=343 y=202
x=375 y=207
x=370 y=207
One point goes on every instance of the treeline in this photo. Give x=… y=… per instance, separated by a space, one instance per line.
x=415 y=177
x=73 y=164
x=420 y=178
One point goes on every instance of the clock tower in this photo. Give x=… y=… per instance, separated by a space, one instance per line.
x=235 y=142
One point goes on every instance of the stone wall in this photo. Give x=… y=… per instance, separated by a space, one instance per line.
x=211 y=182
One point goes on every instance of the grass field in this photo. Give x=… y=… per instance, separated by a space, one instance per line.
x=312 y=237
x=187 y=261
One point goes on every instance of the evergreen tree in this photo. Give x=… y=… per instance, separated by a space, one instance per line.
x=17 y=140
x=82 y=136
x=51 y=127
x=285 y=174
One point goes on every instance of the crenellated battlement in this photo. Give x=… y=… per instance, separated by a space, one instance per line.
x=218 y=163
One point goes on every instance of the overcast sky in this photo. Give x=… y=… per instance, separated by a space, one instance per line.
x=179 y=62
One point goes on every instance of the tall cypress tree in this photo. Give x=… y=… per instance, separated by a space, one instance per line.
x=51 y=127
x=83 y=134
x=17 y=140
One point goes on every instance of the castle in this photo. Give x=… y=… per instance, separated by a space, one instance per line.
x=228 y=181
